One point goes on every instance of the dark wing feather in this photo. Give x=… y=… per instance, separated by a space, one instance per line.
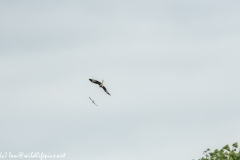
x=106 y=90
x=90 y=98
x=94 y=81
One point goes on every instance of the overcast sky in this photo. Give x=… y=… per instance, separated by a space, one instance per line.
x=172 y=68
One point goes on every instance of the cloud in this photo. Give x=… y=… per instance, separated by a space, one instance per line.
x=171 y=68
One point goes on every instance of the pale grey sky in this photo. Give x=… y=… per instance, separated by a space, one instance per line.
x=172 y=68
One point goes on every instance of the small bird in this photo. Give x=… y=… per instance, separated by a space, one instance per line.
x=100 y=85
x=93 y=101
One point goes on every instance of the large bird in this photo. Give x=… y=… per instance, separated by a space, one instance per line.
x=100 y=85
x=93 y=101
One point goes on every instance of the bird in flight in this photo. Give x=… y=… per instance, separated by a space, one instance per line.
x=100 y=85
x=93 y=101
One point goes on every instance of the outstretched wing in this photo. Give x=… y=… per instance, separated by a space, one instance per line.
x=94 y=81
x=95 y=104
x=106 y=90
x=90 y=98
